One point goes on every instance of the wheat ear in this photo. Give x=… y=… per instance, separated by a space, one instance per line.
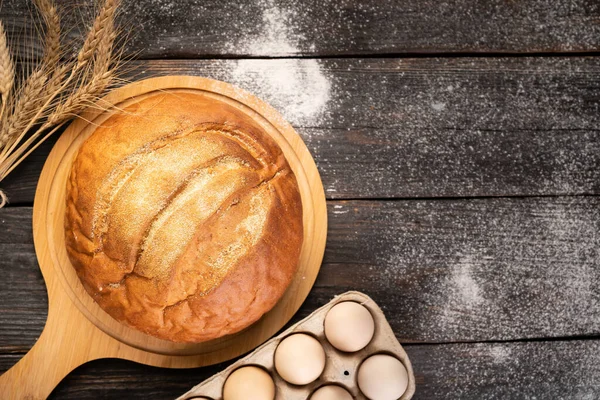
x=97 y=49
x=92 y=82
x=51 y=18
x=40 y=85
x=104 y=21
x=7 y=73
x=25 y=107
x=63 y=89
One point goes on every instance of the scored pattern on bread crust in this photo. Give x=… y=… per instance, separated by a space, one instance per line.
x=183 y=222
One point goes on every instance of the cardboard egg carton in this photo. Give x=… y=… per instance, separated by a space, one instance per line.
x=340 y=368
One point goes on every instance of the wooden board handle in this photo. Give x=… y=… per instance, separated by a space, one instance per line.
x=56 y=353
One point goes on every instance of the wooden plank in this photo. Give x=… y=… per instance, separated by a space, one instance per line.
x=471 y=270
x=212 y=28
x=23 y=298
x=514 y=370
x=441 y=270
x=534 y=370
x=15 y=227
x=20 y=185
x=389 y=128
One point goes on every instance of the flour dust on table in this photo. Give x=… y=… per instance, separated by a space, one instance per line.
x=565 y=369
x=300 y=90
x=277 y=34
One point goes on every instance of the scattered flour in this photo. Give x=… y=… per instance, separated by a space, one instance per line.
x=464 y=284
x=438 y=106
x=493 y=270
x=297 y=88
x=516 y=370
x=339 y=209
x=276 y=35
x=463 y=294
x=498 y=353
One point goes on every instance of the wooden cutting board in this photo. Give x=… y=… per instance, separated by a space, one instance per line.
x=77 y=329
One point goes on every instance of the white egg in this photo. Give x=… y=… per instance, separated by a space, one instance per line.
x=382 y=377
x=249 y=383
x=349 y=326
x=331 y=392
x=299 y=359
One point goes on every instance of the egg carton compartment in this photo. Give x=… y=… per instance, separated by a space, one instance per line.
x=341 y=368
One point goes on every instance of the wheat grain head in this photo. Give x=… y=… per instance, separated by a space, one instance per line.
x=103 y=24
x=7 y=68
x=52 y=49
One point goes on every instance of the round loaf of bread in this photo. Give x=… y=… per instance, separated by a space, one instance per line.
x=183 y=218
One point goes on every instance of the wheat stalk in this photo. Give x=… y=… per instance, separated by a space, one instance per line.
x=56 y=90
x=25 y=107
x=83 y=96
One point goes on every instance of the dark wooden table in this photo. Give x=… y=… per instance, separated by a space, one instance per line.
x=459 y=146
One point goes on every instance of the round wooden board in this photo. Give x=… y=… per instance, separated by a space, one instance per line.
x=77 y=329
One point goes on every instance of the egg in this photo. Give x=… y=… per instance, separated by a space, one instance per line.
x=249 y=383
x=299 y=359
x=382 y=377
x=349 y=326
x=331 y=392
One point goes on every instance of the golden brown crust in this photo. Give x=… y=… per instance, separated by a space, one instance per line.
x=183 y=218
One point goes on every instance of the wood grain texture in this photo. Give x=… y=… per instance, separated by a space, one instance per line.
x=515 y=370
x=390 y=128
x=212 y=28
x=501 y=370
x=471 y=270
x=540 y=370
x=21 y=183
x=442 y=271
x=23 y=298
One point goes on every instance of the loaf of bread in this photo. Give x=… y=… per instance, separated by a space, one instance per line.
x=183 y=218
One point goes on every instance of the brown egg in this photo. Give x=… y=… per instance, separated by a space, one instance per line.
x=349 y=326
x=382 y=377
x=249 y=383
x=299 y=359
x=331 y=392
